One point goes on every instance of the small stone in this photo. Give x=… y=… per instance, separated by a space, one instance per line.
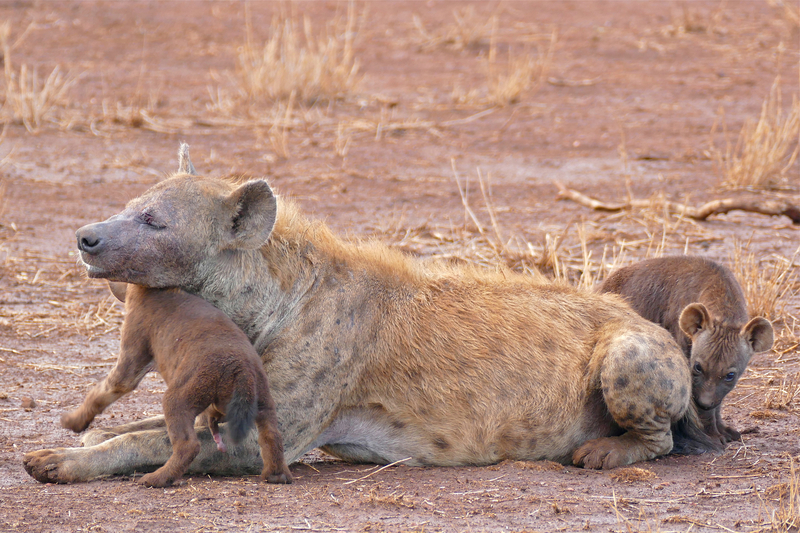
x=28 y=402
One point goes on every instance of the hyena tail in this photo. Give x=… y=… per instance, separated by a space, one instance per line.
x=689 y=438
x=241 y=413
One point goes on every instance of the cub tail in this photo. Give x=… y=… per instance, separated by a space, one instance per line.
x=241 y=414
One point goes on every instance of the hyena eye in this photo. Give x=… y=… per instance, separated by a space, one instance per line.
x=698 y=368
x=729 y=376
x=149 y=219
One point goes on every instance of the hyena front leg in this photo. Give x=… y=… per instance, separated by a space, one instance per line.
x=646 y=387
x=139 y=452
x=93 y=437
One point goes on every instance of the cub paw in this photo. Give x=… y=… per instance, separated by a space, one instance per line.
x=74 y=421
x=283 y=476
x=728 y=434
x=53 y=466
x=155 y=479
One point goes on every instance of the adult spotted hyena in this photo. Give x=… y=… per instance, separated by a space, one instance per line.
x=377 y=357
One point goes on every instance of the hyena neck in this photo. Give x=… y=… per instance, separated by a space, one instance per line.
x=242 y=284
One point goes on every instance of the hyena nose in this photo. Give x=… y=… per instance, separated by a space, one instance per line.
x=88 y=240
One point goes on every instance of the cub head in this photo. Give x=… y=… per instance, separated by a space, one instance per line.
x=720 y=352
x=168 y=236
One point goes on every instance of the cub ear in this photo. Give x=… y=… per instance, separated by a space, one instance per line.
x=253 y=210
x=693 y=318
x=118 y=289
x=758 y=334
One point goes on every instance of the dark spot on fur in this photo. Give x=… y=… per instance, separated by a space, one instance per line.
x=441 y=443
x=309 y=403
x=670 y=364
x=310 y=327
x=667 y=384
x=621 y=382
x=338 y=321
x=397 y=424
x=631 y=354
x=320 y=376
x=683 y=390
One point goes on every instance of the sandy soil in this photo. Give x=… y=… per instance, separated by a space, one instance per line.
x=628 y=107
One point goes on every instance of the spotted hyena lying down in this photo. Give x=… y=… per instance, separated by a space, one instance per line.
x=209 y=366
x=703 y=306
x=377 y=357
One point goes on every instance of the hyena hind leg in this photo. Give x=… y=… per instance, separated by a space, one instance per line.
x=645 y=386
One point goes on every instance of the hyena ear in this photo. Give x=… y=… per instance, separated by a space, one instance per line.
x=693 y=318
x=185 y=165
x=118 y=289
x=253 y=209
x=758 y=334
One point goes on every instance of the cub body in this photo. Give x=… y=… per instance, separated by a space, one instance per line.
x=702 y=305
x=209 y=366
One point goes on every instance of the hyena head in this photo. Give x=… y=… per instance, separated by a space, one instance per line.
x=166 y=236
x=720 y=352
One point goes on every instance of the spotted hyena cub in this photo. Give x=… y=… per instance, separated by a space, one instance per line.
x=703 y=306
x=209 y=366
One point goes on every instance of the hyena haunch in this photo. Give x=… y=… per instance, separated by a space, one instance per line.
x=377 y=357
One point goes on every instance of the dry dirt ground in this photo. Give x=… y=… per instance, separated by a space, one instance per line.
x=637 y=100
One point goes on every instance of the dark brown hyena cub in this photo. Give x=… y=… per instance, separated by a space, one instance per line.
x=209 y=366
x=703 y=306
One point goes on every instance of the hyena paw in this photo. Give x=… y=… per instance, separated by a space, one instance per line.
x=97 y=436
x=728 y=434
x=601 y=453
x=74 y=422
x=283 y=476
x=58 y=465
x=155 y=479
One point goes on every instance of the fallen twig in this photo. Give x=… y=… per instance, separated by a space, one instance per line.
x=773 y=207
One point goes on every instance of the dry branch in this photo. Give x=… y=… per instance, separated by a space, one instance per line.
x=773 y=207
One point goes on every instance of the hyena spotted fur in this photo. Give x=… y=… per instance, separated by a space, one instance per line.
x=375 y=356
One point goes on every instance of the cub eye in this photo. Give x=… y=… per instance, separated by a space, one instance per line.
x=729 y=376
x=698 y=368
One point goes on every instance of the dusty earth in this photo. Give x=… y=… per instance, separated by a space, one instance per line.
x=628 y=107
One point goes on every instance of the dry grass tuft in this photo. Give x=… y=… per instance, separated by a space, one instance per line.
x=295 y=60
x=790 y=11
x=767 y=283
x=786 y=516
x=373 y=497
x=766 y=152
x=539 y=466
x=632 y=474
x=508 y=81
x=468 y=30
x=784 y=396
x=29 y=100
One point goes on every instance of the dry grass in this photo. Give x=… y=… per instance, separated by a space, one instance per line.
x=632 y=474
x=767 y=283
x=507 y=81
x=28 y=99
x=786 y=516
x=766 y=152
x=784 y=396
x=789 y=11
x=467 y=30
x=296 y=61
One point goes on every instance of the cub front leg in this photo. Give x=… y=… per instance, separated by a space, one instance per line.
x=131 y=367
x=646 y=387
x=726 y=433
